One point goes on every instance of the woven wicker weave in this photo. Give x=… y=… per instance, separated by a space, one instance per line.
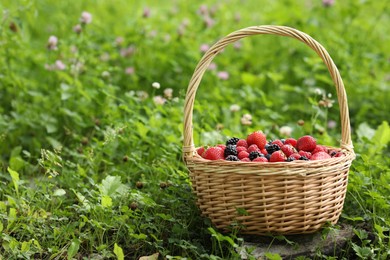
x=284 y=198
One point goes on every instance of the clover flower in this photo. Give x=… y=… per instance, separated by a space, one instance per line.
x=168 y=93
x=156 y=85
x=129 y=70
x=204 y=47
x=52 y=43
x=328 y=3
x=85 y=18
x=246 y=119
x=159 y=100
x=235 y=108
x=224 y=75
x=285 y=131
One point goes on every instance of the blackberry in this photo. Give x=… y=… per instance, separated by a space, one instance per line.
x=230 y=150
x=232 y=158
x=253 y=155
x=304 y=158
x=271 y=148
x=333 y=153
x=268 y=156
x=290 y=159
x=232 y=141
x=283 y=140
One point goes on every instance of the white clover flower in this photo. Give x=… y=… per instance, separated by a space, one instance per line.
x=168 y=93
x=129 y=70
x=105 y=74
x=224 y=75
x=77 y=28
x=332 y=124
x=159 y=100
x=52 y=43
x=86 y=17
x=156 y=85
x=285 y=130
x=318 y=91
x=59 y=65
x=235 y=108
x=246 y=119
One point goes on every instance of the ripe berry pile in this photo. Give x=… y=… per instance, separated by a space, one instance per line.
x=255 y=148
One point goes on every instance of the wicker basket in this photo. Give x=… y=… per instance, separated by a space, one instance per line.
x=278 y=198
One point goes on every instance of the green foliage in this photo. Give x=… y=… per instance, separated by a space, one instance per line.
x=90 y=152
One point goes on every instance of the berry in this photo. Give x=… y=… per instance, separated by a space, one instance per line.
x=242 y=142
x=243 y=154
x=245 y=160
x=295 y=155
x=332 y=152
x=320 y=156
x=339 y=154
x=303 y=158
x=230 y=150
x=232 y=141
x=221 y=146
x=288 y=149
x=260 y=159
x=268 y=156
x=139 y=185
x=232 y=158
x=305 y=154
x=200 y=150
x=254 y=155
x=306 y=143
x=240 y=149
x=319 y=148
x=278 y=143
x=253 y=148
x=214 y=153
x=272 y=148
x=264 y=151
x=258 y=138
x=290 y=159
x=278 y=156
x=291 y=141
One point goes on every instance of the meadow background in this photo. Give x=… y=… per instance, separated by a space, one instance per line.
x=91 y=109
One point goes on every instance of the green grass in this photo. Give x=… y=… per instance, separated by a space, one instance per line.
x=91 y=167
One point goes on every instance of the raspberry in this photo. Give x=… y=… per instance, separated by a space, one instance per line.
x=278 y=156
x=272 y=148
x=288 y=149
x=339 y=154
x=258 y=138
x=200 y=150
x=230 y=150
x=242 y=142
x=303 y=158
x=278 y=143
x=260 y=159
x=290 y=159
x=253 y=148
x=320 y=156
x=264 y=151
x=305 y=154
x=319 y=148
x=291 y=141
x=243 y=155
x=295 y=155
x=306 y=143
x=232 y=141
x=245 y=160
x=221 y=146
x=254 y=155
x=240 y=149
x=214 y=153
x=232 y=158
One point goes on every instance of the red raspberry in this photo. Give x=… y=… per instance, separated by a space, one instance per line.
x=242 y=142
x=295 y=155
x=306 y=143
x=320 y=156
x=240 y=149
x=245 y=160
x=221 y=146
x=258 y=138
x=288 y=149
x=264 y=151
x=339 y=154
x=200 y=150
x=320 y=148
x=278 y=156
x=214 y=153
x=306 y=154
x=253 y=148
x=260 y=159
x=278 y=143
x=243 y=154
x=291 y=141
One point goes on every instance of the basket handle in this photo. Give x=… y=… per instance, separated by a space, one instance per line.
x=188 y=142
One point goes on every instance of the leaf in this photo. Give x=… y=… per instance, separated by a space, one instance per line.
x=11 y=217
x=112 y=186
x=272 y=256
x=118 y=252
x=382 y=134
x=59 y=192
x=15 y=179
x=73 y=248
x=150 y=257
x=365 y=131
x=362 y=252
x=106 y=201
